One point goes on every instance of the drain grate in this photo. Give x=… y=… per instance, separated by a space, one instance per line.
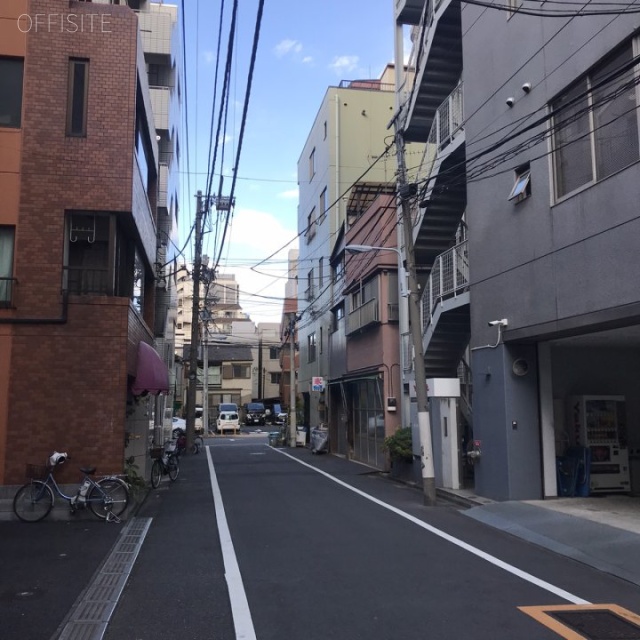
x=598 y=624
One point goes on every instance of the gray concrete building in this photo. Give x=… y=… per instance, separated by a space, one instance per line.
x=529 y=188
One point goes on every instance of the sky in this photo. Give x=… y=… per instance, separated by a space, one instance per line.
x=304 y=47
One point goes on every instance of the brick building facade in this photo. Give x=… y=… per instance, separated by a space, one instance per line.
x=80 y=174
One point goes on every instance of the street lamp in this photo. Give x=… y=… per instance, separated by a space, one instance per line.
x=424 y=425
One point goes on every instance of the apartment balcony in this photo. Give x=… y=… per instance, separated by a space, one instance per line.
x=442 y=176
x=163 y=184
x=155 y=30
x=160 y=101
x=409 y=11
x=365 y=315
x=437 y=70
x=446 y=322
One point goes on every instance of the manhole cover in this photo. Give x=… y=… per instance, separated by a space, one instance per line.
x=598 y=624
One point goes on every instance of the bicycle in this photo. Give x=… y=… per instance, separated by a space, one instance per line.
x=107 y=497
x=165 y=462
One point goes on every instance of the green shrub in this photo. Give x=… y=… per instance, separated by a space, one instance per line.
x=399 y=445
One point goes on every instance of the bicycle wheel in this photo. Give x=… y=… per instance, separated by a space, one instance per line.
x=33 y=501
x=156 y=473
x=110 y=496
x=173 y=467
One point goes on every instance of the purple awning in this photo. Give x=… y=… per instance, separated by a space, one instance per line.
x=152 y=375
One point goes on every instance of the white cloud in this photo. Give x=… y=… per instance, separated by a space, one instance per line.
x=292 y=194
x=341 y=64
x=254 y=236
x=209 y=56
x=287 y=46
x=307 y=60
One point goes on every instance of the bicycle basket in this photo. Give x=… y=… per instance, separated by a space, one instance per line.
x=156 y=452
x=36 y=471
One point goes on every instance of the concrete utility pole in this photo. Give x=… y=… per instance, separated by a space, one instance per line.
x=424 y=424
x=292 y=382
x=195 y=327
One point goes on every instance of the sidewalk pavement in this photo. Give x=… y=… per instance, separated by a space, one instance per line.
x=602 y=532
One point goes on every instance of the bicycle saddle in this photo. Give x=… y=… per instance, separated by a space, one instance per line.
x=88 y=470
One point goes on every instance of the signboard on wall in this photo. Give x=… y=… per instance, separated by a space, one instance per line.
x=317 y=383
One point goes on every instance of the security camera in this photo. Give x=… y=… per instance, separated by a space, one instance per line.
x=526 y=87
x=510 y=101
x=499 y=323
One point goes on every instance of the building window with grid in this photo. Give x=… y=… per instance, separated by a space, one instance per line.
x=274 y=353
x=77 y=97
x=312 y=164
x=274 y=377
x=11 y=75
x=311 y=347
x=595 y=124
x=322 y=206
x=310 y=286
x=311 y=225
x=320 y=272
x=7 y=239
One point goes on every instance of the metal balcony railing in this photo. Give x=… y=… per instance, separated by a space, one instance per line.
x=364 y=315
x=449 y=277
x=447 y=125
x=7 y=286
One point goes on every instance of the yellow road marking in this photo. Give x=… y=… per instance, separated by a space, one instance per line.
x=541 y=615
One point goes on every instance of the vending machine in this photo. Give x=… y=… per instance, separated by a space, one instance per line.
x=599 y=423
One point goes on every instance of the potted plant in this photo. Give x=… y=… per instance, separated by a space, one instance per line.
x=399 y=446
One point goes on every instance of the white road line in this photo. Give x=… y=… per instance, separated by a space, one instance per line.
x=239 y=605
x=561 y=593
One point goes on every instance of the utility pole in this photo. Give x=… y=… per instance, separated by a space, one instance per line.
x=195 y=327
x=292 y=382
x=405 y=192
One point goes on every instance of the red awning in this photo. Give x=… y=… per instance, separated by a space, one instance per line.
x=152 y=375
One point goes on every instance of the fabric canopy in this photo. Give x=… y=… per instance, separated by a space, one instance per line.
x=152 y=375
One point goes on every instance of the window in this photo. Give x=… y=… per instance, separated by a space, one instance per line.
x=236 y=371
x=7 y=238
x=310 y=287
x=311 y=347
x=312 y=164
x=77 y=97
x=595 y=127
x=337 y=269
x=522 y=186
x=11 y=73
x=320 y=272
x=325 y=131
x=274 y=353
x=87 y=263
x=275 y=377
x=311 y=225
x=322 y=206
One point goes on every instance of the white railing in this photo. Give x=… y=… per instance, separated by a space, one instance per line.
x=449 y=277
x=447 y=124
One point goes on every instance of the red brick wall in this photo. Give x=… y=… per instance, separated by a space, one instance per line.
x=68 y=382
x=68 y=390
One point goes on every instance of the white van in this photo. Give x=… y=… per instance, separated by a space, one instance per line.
x=228 y=421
